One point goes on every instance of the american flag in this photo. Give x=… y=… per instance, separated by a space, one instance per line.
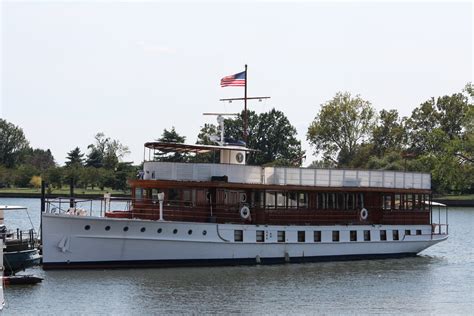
x=237 y=80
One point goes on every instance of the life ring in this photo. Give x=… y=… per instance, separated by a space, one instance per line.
x=245 y=212
x=364 y=214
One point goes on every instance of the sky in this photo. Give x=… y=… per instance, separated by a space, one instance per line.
x=71 y=69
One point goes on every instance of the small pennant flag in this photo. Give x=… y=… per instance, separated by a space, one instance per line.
x=237 y=80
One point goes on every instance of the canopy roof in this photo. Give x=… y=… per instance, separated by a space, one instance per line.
x=198 y=149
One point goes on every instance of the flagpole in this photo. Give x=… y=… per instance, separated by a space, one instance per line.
x=245 y=106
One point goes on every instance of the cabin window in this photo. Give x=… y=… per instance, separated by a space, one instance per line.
x=397 y=201
x=416 y=201
x=418 y=231
x=270 y=199
x=259 y=236
x=143 y=229
x=340 y=201
x=87 y=227
x=281 y=236
x=301 y=236
x=366 y=235
x=427 y=202
x=321 y=201
x=335 y=235
x=407 y=232
x=303 y=200
x=187 y=197
x=281 y=199
x=173 y=197
x=409 y=199
x=138 y=194
x=353 y=235
x=238 y=235
x=292 y=200
x=317 y=236
x=331 y=201
x=243 y=197
x=387 y=202
x=350 y=201
x=383 y=235
x=395 y=235
x=360 y=201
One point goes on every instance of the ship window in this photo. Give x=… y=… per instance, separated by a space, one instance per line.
x=397 y=202
x=238 y=235
x=204 y=232
x=292 y=200
x=243 y=197
x=331 y=201
x=175 y=231
x=190 y=232
x=281 y=199
x=107 y=228
x=260 y=237
x=173 y=197
x=187 y=197
x=353 y=235
x=418 y=231
x=383 y=235
x=87 y=227
x=395 y=235
x=270 y=198
x=321 y=201
x=409 y=201
x=387 y=202
x=366 y=235
x=301 y=236
x=360 y=200
x=125 y=229
x=143 y=229
x=317 y=236
x=335 y=235
x=208 y=196
x=407 y=232
x=350 y=201
x=159 y=230
x=281 y=236
x=427 y=200
x=138 y=193
x=340 y=201
x=303 y=200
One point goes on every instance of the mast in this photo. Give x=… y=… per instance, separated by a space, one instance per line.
x=245 y=107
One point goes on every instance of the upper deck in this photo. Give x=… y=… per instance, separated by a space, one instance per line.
x=154 y=170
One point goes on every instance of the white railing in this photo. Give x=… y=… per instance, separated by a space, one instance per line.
x=287 y=176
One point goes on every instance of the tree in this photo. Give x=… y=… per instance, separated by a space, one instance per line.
x=171 y=136
x=106 y=152
x=271 y=133
x=54 y=176
x=341 y=126
x=389 y=134
x=35 y=182
x=39 y=158
x=74 y=158
x=12 y=143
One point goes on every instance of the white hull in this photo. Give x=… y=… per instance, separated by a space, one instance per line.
x=88 y=241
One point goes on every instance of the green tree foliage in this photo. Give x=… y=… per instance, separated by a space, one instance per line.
x=341 y=126
x=106 y=152
x=39 y=158
x=271 y=133
x=23 y=175
x=75 y=158
x=12 y=143
x=388 y=134
x=54 y=177
x=171 y=136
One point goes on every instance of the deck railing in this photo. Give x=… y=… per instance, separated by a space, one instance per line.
x=154 y=170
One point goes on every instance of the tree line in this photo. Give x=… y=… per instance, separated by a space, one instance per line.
x=346 y=132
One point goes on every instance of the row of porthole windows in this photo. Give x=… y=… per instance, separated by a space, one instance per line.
x=143 y=229
x=301 y=235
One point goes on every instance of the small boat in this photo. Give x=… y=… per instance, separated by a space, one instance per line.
x=21 y=251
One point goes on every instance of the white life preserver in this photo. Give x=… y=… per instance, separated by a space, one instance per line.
x=245 y=212
x=364 y=214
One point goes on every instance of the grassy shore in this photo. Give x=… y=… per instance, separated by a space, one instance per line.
x=467 y=197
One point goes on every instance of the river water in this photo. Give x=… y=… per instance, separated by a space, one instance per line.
x=438 y=281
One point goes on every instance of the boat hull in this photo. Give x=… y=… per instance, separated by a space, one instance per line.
x=89 y=242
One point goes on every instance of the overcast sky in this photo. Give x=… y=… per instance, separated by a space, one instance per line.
x=72 y=69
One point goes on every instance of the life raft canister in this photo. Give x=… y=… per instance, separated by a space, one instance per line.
x=364 y=214
x=245 y=212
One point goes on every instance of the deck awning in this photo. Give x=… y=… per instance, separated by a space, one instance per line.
x=198 y=149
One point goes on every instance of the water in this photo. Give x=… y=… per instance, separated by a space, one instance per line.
x=439 y=281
